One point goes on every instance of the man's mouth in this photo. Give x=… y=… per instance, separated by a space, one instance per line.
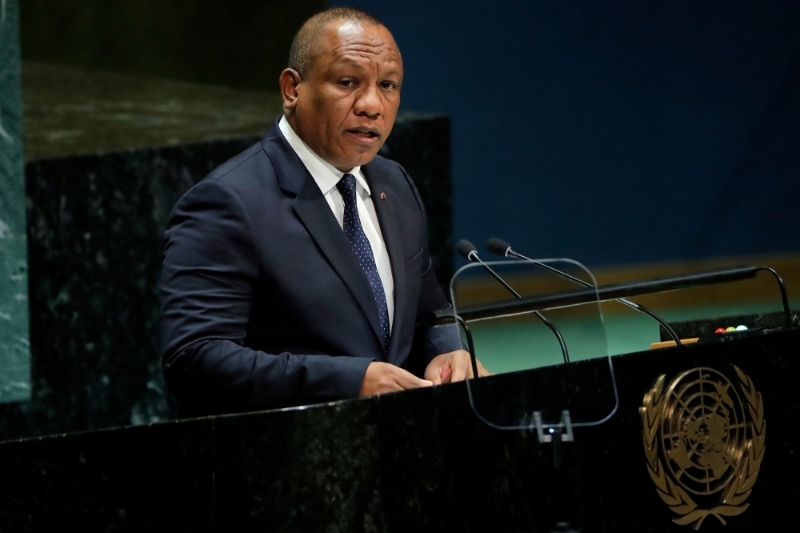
x=364 y=133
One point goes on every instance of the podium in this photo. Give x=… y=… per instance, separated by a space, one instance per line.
x=419 y=460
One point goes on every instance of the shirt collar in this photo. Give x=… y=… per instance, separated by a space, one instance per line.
x=325 y=175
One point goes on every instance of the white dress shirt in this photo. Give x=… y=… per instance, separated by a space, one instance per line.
x=327 y=176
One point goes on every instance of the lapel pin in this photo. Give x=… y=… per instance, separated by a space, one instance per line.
x=383 y=196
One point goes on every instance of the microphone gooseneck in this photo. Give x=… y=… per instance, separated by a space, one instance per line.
x=468 y=251
x=502 y=248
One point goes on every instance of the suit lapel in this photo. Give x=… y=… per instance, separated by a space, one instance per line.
x=387 y=218
x=312 y=208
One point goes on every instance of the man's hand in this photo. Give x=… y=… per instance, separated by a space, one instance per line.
x=453 y=366
x=384 y=377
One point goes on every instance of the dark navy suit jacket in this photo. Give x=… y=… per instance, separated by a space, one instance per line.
x=264 y=303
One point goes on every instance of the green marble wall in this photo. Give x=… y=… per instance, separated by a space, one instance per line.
x=14 y=346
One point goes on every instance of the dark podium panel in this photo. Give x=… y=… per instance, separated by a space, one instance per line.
x=414 y=461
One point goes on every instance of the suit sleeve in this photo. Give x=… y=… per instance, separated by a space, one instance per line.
x=430 y=341
x=210 y=271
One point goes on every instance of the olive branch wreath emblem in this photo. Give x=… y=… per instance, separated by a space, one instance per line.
x=735 y=495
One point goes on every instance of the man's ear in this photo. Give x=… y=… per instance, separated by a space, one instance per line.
x=289 y=81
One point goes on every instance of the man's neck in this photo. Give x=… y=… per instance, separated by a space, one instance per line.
x=300 y=147
x=325 y=174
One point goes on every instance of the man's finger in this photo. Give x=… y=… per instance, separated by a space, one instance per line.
x=424 y=383
x=413 y=382
x=381 y=378
x=438 y=370
x=407 y=380
x=445 y=373
x=482 y=372
x=460 y=366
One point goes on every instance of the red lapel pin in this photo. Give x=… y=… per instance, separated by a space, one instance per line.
x=383 y=196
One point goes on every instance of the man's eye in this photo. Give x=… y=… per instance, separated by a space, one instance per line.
x=346 y=83
x=388 y=85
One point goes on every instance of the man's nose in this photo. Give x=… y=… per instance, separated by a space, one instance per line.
x=369 y=102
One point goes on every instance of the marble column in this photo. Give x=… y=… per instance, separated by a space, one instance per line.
x=14 y=345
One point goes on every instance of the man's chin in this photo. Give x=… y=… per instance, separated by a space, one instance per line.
x=356 y=160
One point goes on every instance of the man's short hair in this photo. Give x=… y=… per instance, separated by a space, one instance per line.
x=304 y=45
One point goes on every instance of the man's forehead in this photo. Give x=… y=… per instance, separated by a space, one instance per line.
x=345 y=28
x=354 y=36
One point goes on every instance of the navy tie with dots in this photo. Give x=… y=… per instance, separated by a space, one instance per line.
x=363 y=249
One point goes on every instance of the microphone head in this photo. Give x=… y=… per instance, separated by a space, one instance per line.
x=466 y=249
x=498 y=247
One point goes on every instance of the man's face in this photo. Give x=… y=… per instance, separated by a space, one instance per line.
x=346 y=106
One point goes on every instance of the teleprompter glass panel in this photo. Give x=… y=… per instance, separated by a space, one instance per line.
x=548 y=317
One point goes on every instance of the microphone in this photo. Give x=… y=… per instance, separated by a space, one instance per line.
x=499 y=247
x=502 y=248
x=468 y=251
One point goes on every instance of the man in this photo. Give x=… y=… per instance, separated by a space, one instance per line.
x=298 y=271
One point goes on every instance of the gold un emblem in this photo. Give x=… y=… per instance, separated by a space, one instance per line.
x=704 y=443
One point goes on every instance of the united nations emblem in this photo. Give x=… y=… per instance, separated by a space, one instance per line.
x=704 y=442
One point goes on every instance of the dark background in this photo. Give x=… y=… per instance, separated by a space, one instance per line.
x=612 y=132
x=238 y=43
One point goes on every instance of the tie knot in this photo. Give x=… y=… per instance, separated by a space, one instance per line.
x=347 y=186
